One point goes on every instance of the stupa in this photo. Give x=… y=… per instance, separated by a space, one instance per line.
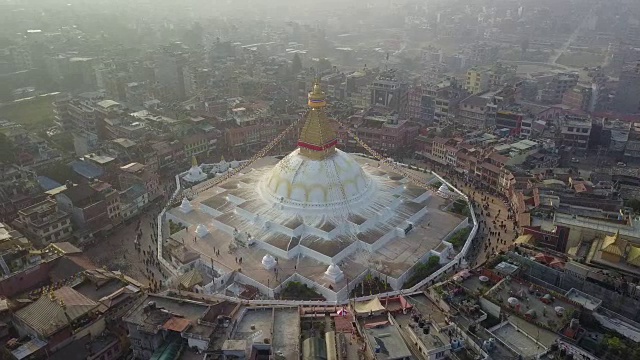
x=201 y=231
x=195 y=174
x=334 y=274
x=268 y=262
x=316 y=207
x=185 y=206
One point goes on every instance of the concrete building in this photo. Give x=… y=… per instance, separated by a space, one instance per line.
x=15 y=253
x=132 y=201
x=136 y=173
x=169 y=73
x=381 y=129
x=627 y=99
x=552 y=89
x=44 y=222
x=575 y=131
x=248 y=134
x=477 y=80
x=18 y=189
x=93 y=207
x=389 y=92
x=578 y=98
x=478 y=111
x=512 y=120
x=434 y=103
x=161 y=323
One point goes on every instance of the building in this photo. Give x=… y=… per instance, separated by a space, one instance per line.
x=389 y=338
x=389 y=92
x=18 y=189
x=133 y=200
x=575 y=131
x=94 y=207
x=482 y=54
x=385 y=131
x=553 y=88
x=169 y=69
x=160 y=324
x=248 y=134
x=578 y=98
x=136 y=173
x=627 y=98
x=434 y=103
x=59 y=317
x=477 y=80
x=506 y=119
x=477 y=111
x=44 y=222
x=445 y=150
x=481 y=79
x=555 y=239
x=15 y=253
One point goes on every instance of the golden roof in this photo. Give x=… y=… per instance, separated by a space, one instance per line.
x=633 y=257
x=613 y=244
x=190 y=279
x=317 y=138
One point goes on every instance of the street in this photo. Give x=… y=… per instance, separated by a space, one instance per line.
x=496 y=230
x=119 y=251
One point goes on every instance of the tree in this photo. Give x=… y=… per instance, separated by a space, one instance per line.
x=7 y=151
x=324 y=64
x=634 y=204
x=524 y=46
x=296 y=64
x=614 y=344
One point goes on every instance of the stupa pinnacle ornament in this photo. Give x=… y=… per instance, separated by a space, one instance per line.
x=317 y=139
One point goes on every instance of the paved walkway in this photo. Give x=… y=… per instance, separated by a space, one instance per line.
x=119 y=252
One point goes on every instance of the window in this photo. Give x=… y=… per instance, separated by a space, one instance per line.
x=585 y=130
x=440 y=355
x=570 y=129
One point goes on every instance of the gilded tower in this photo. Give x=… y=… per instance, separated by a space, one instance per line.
x=317 y=139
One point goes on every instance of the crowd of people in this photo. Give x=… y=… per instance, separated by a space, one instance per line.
x=497 y=229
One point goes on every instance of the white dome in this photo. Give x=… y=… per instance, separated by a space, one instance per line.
x=185 y=206
x=195 y=174
x=223 y=166
x=235 y=164
x=299 y=182
x=333 y=269
x=334 y=274
x=444 y=188
x=268 y=262
x=201 y=231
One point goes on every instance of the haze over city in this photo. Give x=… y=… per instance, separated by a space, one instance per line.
x=320 y=180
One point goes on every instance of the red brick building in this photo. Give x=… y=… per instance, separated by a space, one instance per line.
x=382 y=130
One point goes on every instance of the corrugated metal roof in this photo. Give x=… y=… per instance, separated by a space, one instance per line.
x=86 y=170
x=52 y=312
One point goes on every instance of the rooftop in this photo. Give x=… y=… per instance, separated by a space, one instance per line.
x=387 y=343
x=156 y=310
x=53 y=311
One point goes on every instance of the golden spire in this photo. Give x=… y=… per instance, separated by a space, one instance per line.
x=194 y=162
x=317 y=138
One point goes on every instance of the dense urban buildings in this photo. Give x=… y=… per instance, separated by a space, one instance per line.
x=335 y=180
